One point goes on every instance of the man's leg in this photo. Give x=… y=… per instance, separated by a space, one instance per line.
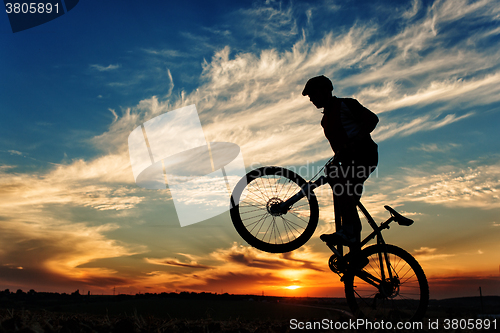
x=351 y=224
x=345 y=202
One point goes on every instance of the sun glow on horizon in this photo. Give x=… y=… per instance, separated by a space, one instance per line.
x=293 y=287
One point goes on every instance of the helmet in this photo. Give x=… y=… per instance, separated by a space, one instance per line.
x=318 y=83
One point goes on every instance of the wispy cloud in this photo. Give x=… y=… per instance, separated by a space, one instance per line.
x=457 y=187
x=426 y=254
x=454 y=91
x=113 y=113
x=424 y=123
x=244 y=99
x=22 y=154
x=268 y=271
x=166 y=53
x=98 y=184
x=176 y=263
x=41 y=234
x=53 y=249
x=416 y=5
x=15 y=152
x=435 y=148
x=272 y=22
x=101 y=68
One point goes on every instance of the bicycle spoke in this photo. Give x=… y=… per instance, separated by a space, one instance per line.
x=262 y=219
x=260 y=203
x=288 y=190
x=300 y=218
x=295 y=207
x=247 y=204
x=407 y=271
x=250 y=211
x=270 y=186
x=291 y=226
x=264 y=186
x=266 y=231
x=287 y=181
x=292 y=223
x=277 y=229
x=257 y=217
x=403 y=295
x=273 y=230
x=273 y=186
x=285 y=226
x=271 y=233
x=256 y=223
x=266 y=213
x=257 y=187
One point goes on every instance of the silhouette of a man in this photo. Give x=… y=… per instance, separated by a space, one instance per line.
x=347 y=126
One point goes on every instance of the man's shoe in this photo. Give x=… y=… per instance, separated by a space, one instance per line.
x=356 y=261
x=338 y=237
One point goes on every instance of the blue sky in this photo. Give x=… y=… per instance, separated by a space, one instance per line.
x=74 y=88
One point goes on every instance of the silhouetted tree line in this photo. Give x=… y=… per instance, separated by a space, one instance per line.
x=20 y=294
x=32 y=294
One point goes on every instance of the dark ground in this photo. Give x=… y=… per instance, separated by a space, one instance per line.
x=189 y=312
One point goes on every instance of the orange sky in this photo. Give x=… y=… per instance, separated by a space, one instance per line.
x=72 y=216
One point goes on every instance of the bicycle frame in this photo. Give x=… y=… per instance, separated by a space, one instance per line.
x=338 y=250
x=380 y=282
x=382 y=256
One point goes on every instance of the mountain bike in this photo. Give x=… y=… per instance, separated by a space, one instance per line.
x=275 y=210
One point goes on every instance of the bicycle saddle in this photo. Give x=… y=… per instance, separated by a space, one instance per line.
x=398 y=217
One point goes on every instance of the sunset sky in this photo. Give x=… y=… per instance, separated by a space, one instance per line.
x=73 y=89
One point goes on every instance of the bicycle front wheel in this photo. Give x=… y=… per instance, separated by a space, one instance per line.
x=263 y=227
x=390 y=288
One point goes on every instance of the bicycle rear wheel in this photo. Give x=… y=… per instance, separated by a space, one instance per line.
x=262 y=227
x=402 y=297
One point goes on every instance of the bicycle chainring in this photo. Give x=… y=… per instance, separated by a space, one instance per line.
x=335 y=265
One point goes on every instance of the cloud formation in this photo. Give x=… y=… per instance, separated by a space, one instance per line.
x=240 y=269
x=437 y=65
x=463 y=187
x=101 y=68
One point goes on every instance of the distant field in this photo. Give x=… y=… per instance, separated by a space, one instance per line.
x=198 y=314
x=192 y=309
x=108 y=314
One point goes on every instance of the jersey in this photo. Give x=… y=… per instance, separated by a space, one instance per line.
x=346 y=122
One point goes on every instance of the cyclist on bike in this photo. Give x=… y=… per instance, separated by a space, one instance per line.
x=347 y=126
